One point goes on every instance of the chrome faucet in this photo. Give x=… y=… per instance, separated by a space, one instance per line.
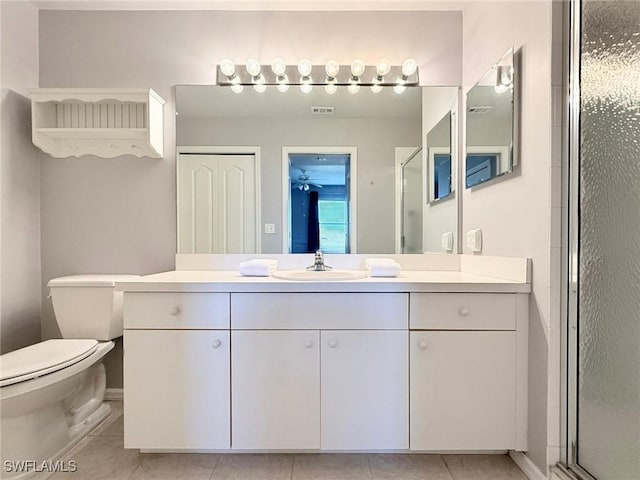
x=318 y=263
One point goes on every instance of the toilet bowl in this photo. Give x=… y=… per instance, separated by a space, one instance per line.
x=52 y=393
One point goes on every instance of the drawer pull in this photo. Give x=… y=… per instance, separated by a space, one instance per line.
x=216 y=344
x=174 y=311
x=308 y=344
x=464 y=312
x=333 y=343
x=422 y=345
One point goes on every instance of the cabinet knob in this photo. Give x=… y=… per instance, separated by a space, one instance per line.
x=333 y=343
x=174 y=311
x=216 y=344
x=308 y=344
x=422 y=345
x=463 y=311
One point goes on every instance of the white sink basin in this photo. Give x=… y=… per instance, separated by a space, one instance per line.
x=314 y=276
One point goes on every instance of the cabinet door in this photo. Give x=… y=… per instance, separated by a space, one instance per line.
x=177 y=389
x=463 y=390
x=276 y=389
x=365 y=390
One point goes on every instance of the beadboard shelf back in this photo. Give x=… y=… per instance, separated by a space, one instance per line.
x=108 y=123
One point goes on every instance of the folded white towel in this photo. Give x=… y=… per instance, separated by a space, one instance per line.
x=382 y=267
x=258 y=267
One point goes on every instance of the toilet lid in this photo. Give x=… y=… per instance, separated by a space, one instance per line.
x=42 y=358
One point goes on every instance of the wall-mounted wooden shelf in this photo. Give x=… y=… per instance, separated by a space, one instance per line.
x=71 y=122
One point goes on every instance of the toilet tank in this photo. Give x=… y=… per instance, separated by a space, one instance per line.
x=88 y=306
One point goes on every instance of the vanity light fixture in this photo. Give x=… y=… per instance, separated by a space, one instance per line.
x=330 y=75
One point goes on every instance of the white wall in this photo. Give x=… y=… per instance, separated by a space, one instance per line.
x=20 y=182
x=514 y=211
x=118 y=215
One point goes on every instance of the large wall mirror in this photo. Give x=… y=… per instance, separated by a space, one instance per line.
x=492 y=123
x=261 y=172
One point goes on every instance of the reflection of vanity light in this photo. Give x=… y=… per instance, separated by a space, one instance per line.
x=504 y=78
x=237 y=88
x=260 y=87
x=330 y=88
x=399 y=88
x=306 y=88
x=282 y=87
x=353 y=88
x=376 y=87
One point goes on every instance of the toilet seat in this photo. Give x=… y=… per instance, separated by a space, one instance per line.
x=43 y=358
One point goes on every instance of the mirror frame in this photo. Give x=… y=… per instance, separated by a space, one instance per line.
x=512 y=150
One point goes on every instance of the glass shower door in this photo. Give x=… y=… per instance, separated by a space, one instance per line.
x=605 y=321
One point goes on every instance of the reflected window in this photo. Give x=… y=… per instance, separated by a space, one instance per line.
x=441 y=175
x=332 y=216
x=480 y=168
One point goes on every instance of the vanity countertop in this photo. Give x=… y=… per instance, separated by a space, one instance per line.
x=407 y=281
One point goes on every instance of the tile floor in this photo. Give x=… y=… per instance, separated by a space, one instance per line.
x=101 y=456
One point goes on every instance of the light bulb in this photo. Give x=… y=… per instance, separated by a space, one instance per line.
x=383 y=67
x=227 y=67
x=409 y=67
x=331 y=88
x=282 y=87
x=237 y=88
x=376 y=88
x=304 y=67
x=278 y=66
x=353 y=88
x=399 y=88
x=253 y=67
x=306 y=88
x=501 y=88
x=332 y=68
x=357 y=68
x=259 y=87
x=306 y=187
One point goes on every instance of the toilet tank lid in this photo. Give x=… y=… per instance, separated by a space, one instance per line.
x=92 y=280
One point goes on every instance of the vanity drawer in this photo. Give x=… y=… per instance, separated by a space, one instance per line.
x=173 y=310
x=462 y=311
x=334 y=311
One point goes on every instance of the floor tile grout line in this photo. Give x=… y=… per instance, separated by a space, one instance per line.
x=453 y=477
x=213 y=469
x=293 y=462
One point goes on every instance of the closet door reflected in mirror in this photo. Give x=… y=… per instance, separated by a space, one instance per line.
x=492 y=123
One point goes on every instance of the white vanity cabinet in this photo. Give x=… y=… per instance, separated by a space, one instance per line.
x=468 y=364
x=339 y=381
x=276 y=389
x=177 y=371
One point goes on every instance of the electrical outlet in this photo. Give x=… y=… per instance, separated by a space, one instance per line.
x=474 y=240
x=447 y=241
x=269 y=228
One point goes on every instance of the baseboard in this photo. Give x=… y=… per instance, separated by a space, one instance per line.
x=114 y=394
x=527 y=466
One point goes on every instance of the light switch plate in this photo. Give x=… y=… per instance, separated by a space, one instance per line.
x=474 y=240
x=269 y=228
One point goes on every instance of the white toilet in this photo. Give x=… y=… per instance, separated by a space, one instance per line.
x=52 y=393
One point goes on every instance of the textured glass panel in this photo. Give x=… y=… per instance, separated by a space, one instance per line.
x=609 y=296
